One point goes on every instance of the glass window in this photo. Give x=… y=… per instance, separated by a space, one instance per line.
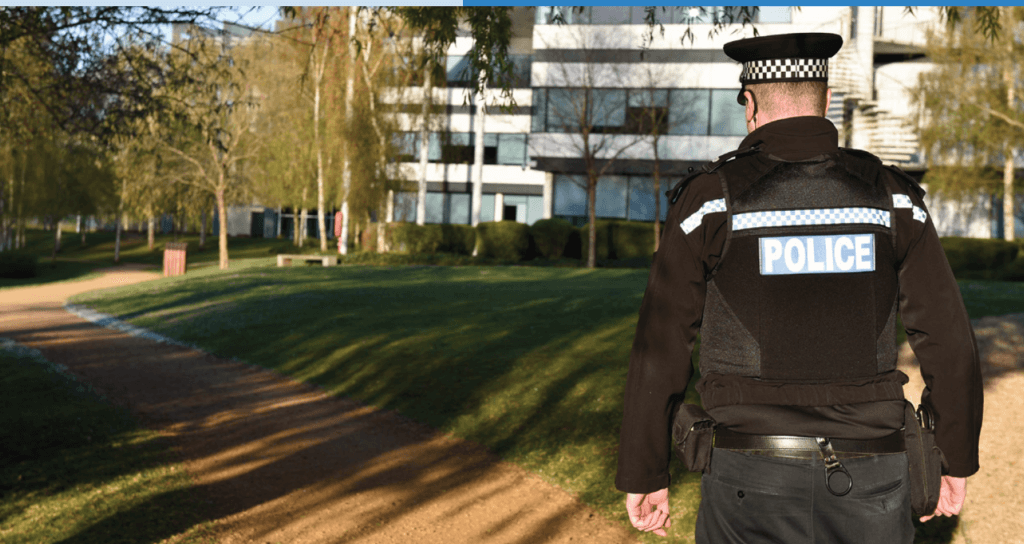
x=692 y=15
x=609 y=15
x=543 y=15
x=435 y=208
x=564 y=109
x=459 y=209
x=688 y=111
x=434 y=150
x=486 y=208
x=458 y=69
x=608 y=108
x=639 y=14
x=773 y=14
x=570 y=195
x=641 y=198
x=539 y=109
x=648 y=98
x=534 y=209
x=405 y=207
x=512 y=149
x=522 y=66
x=611 y=197
x=727 y=117
x=407 y=146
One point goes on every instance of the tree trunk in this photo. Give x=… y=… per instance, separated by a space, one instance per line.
x=320 y=212
x=150 y=234
x=421 y=194
x=117 y=240
x=202 y=227
x=346 y=173
x=56 y=240
x=591 y=217
x=478 y=158
x=222 y=232
x=1009 y=228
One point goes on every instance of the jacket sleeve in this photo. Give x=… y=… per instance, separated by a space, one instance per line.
x=939 y=331
x=670 y=318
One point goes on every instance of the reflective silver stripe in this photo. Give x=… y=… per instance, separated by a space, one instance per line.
x=690 y=223
x=903 y=201
x=798 y=218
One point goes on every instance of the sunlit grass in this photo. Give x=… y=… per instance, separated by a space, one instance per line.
x=75 y=469
x=528 y=361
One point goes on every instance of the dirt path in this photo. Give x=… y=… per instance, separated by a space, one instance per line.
x=280 y=461
x=994 y=510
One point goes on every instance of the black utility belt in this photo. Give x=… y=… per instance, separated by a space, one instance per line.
x=838 y=480
x=730 y=440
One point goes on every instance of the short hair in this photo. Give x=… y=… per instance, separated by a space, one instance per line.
x=779 y=100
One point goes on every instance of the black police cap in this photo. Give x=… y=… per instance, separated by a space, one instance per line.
x=787 y=58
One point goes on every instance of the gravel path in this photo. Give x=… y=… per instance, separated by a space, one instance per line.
x=279 y=461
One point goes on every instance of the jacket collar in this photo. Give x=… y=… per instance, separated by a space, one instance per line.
x=795 y=138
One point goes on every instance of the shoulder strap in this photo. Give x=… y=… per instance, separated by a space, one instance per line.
x=707 y=168
x=914 y=185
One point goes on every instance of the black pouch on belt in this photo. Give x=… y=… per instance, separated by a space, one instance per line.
x=693 y=434
x=927 y=464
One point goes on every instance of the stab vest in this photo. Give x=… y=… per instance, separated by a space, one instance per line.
x=805 y=294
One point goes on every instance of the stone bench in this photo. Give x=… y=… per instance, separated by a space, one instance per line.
x=326 y=260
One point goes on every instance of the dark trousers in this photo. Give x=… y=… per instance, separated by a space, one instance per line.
x=748 y=499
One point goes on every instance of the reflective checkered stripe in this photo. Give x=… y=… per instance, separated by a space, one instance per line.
x=760 y=71
x=903 y=202
x=711 y=206
x=800 y=218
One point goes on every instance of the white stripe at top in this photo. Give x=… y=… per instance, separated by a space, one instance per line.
x=690 y=223
x=799 y=218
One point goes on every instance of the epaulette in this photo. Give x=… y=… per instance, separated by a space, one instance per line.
x=707 y=168
x=913 y=183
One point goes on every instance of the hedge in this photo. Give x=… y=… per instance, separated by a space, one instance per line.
x=617 y=239
x=507 y=240
x=552 y=236
x=17 y=265
x=979 y=258
x=413 y=238
x=458 y=239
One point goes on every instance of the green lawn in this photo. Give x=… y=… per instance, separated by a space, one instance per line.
x=74 y=469
x=528 y=361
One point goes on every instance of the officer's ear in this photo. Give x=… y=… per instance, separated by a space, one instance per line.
x=751 y=108
x=828 y=101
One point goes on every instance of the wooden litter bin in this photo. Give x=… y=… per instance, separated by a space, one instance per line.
x=174 y=258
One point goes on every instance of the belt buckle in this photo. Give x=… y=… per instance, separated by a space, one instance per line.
x=833 y=466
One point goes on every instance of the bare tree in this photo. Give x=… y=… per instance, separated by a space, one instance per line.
x=588 y=107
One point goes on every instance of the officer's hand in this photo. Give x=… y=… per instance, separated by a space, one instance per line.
x=952 y=493
x=649 y=512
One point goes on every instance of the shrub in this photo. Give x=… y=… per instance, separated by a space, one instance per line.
x=413 y=238
x=551 y=236
x=618 y=239
x=17 y=265
x=368 y=238
x=458 y=239
x=978 y=258
x=507 y=240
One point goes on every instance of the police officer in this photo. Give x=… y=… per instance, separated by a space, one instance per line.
x=792 y=257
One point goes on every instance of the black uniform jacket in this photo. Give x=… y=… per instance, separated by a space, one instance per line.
x=930 y=305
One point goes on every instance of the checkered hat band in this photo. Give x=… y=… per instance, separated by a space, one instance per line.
x=761 y=71
x=800 y=218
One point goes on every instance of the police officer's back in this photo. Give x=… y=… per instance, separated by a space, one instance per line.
x=792 y=257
